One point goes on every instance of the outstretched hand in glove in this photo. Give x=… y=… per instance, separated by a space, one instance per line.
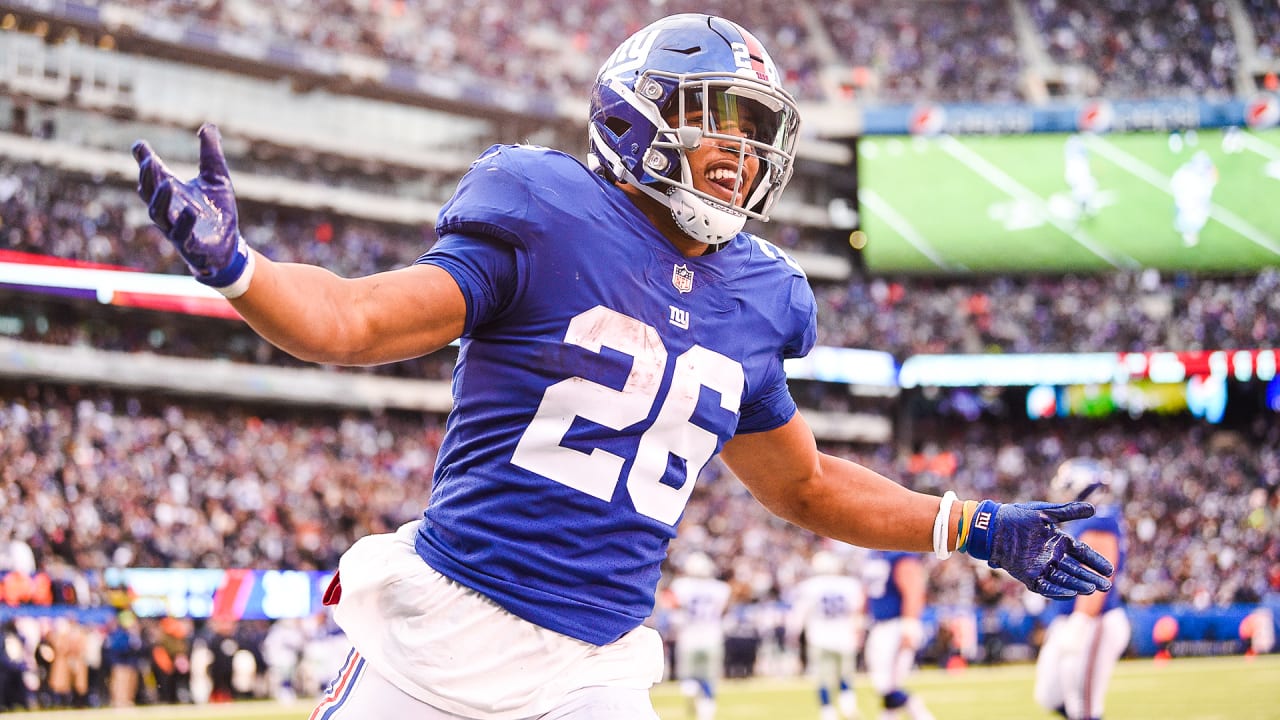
x=1024 y=540
x=198 y=216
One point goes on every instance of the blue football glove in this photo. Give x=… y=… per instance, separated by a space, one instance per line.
x=199 y=216
x=1023 y=538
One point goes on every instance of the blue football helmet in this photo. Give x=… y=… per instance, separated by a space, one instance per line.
x=699 y=564
x=1083 y=478
x=676 y=83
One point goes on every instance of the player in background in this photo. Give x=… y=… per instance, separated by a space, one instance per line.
x=1192 y=187
x=1233 y=140
x=896 y=585
x=618 y=330
x=1258 y=630
x=700 y=600
x=1079 y=177
x=282 y=650
x=1090 y=633
x=828 y=607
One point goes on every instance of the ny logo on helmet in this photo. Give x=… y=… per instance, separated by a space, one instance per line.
x=630 y=55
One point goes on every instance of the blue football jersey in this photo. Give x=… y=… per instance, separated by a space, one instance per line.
x=884 y=599
x=599 y=371
x=1106 y=519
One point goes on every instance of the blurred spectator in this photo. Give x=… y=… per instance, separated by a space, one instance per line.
x=68 y=679
x=14 y=666
x=122 y=654
x=222 y=643
x=1266 y=25
x=171 y=660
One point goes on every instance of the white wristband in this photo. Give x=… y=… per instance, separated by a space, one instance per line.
x=942 y=526
x=241 y=285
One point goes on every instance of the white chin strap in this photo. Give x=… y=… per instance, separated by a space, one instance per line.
x=702 y=220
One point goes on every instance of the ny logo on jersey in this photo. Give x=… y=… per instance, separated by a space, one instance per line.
x=679 y=317
x=682 y=278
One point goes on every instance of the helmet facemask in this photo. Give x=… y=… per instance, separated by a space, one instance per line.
x=754 y=129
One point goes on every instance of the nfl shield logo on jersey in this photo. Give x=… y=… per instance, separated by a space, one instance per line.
x=682 y=278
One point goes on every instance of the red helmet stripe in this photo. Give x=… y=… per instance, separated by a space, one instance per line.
x=756 y=49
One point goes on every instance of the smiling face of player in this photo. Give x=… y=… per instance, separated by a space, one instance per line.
x=720 y=166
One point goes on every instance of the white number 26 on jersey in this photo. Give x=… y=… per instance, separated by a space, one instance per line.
x=597 y=472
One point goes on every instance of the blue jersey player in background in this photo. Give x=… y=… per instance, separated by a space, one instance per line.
x=896 y=585
x=618 y=330
x=1090 y=633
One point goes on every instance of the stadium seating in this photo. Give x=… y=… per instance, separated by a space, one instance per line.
x=97 y=478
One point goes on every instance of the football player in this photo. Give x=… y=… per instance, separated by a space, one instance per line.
x=828 y=607
x=700 y=600
x=1089 y=633
x=618 y=330
x=896 y=585
x=1192 y=187
x=1079 y=177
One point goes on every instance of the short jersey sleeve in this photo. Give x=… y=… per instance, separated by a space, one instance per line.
x=804 y=311
x=485 y=269
x=772 y=410
x=483 y=229
x=493 y=198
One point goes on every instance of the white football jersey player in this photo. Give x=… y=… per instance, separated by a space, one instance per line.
x=1192 y=187
x=1079 y=176
x=828 y=607
x=700 y=603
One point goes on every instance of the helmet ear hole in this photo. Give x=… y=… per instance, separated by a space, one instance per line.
x=617 y=126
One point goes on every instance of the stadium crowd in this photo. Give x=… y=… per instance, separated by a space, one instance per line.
x=49 y=213
x=906 y=53
x=59 y=661
x=938 y=51
x=1266 y=24
x=1120 y=311
x=1151 y=48
x=903 y=316
x=99 y=483
x=96 y=480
